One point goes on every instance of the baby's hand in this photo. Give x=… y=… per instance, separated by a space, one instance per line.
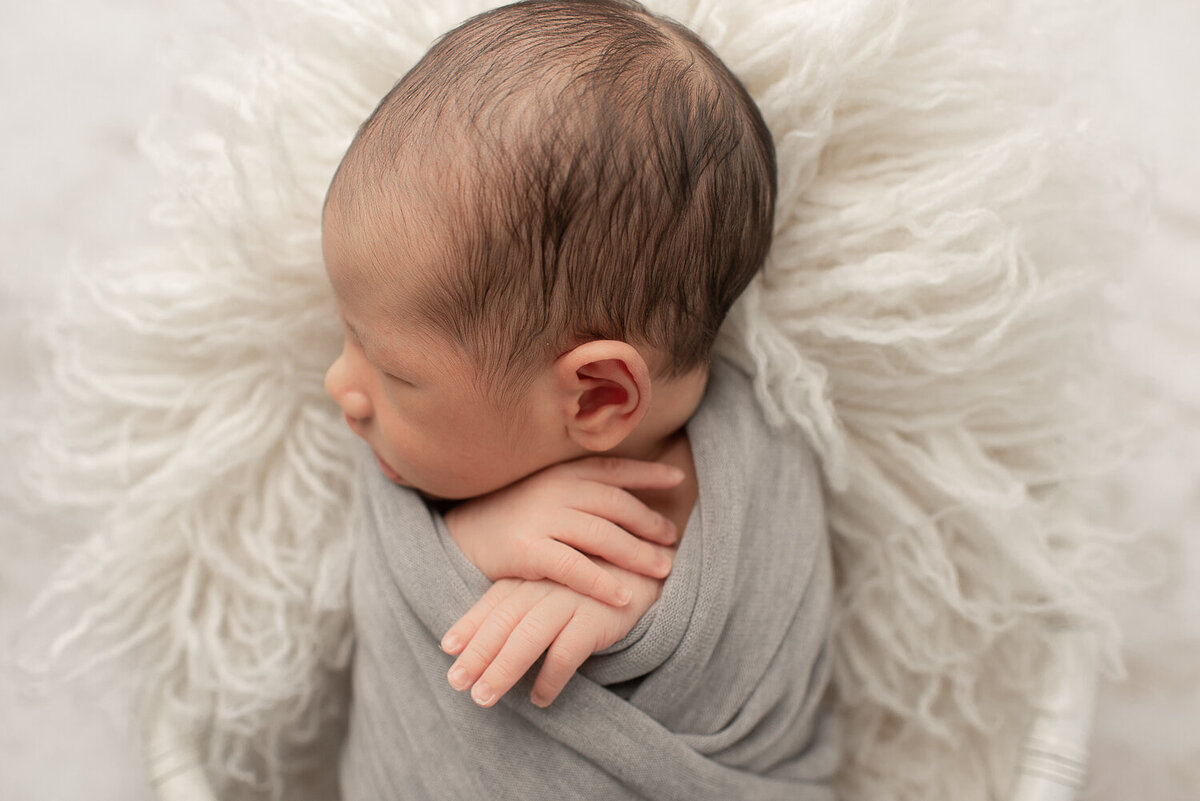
x=515 y=621
x=541 y=526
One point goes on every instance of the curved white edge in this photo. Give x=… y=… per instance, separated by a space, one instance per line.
x=1054 y=760
x=173 y=763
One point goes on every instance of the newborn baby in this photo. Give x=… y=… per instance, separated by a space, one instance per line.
x=533 y=241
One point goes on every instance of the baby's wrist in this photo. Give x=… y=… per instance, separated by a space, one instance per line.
x=458 y=523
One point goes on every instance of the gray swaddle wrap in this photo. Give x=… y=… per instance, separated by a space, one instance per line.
x=715 y=694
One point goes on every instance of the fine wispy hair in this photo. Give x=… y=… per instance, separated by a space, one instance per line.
x=612 y=179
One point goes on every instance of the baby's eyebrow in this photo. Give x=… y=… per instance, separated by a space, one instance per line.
x=349 y=326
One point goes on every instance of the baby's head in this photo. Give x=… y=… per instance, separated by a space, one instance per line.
x=548 y=217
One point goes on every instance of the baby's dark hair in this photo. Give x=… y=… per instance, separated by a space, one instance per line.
x=614 y=181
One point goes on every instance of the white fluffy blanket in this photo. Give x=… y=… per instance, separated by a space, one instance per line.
x=930 y=316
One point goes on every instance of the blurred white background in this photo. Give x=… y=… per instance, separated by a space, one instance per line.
x=77 y=82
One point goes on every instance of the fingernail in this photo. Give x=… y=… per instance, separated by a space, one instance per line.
x=482 y=694
x=539 y=700
x=451 y=644
x=664 y=564
x=458 y=677
x=677 y=474
x=624 y=596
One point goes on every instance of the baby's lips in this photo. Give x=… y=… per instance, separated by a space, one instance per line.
x=391 y=474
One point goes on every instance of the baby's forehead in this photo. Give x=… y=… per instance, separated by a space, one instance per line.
x=387 y=247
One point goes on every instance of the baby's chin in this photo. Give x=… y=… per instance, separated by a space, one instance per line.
x=440 y=502
x=394 y=477
x=453 y=496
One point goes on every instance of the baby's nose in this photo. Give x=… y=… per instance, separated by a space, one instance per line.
x=355 y=405
x=354 y=402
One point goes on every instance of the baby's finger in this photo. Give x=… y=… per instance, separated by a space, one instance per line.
x=561 y=563
x=573 y=645
x=599 y=537
x=621 y=507
x=618 y=471
x=529 y=640
x=464 y=629
x=493 y=632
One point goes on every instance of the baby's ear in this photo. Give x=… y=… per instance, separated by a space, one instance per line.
x=605 y=390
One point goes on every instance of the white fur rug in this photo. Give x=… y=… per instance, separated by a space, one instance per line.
x=930 y=315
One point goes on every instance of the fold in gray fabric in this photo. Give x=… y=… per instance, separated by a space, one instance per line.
x=716 y=694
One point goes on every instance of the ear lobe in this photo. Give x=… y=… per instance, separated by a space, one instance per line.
x=607 y=392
